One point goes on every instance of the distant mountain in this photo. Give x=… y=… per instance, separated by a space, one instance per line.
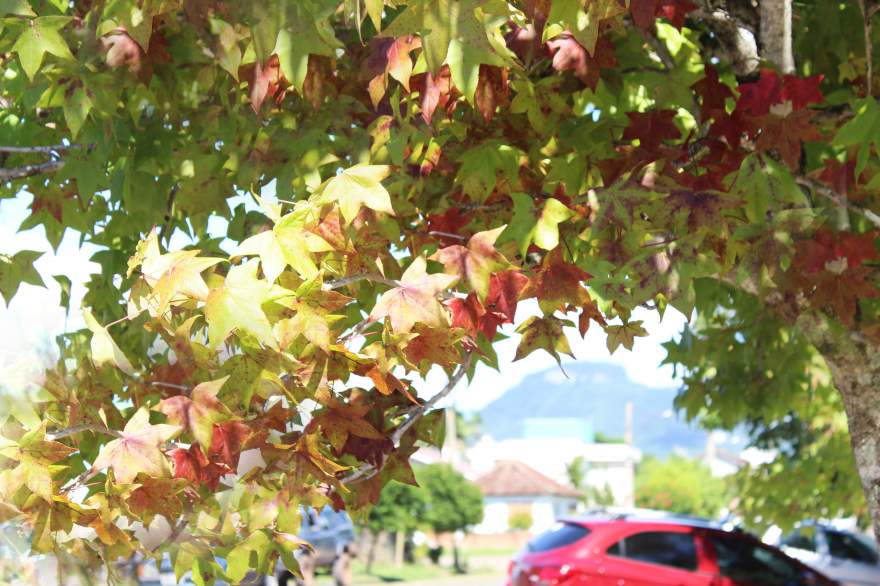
x=596 y=393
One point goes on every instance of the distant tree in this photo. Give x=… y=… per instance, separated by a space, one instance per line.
x=454 y=502
x=468 y=427
x=680 y=485
x=593 y=496
x=399 y=510
x=602 y=438
x=520 y=521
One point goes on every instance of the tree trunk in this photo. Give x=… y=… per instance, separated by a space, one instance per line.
x=399 y=542
x=371 y=553
x=775 y=33
x=855 y=368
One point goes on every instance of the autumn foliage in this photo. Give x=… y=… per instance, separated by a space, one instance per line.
x=303 y=208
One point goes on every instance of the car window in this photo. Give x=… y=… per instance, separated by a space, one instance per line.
x=559 y=535
x=658 y=547
x=744 y=561
x=803 y=538
x=849 y=547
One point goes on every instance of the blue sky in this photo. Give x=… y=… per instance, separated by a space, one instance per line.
x=34 y=317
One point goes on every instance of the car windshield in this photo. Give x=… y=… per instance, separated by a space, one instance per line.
x=559 y=535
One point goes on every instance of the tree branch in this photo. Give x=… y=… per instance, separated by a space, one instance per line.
x=45 y=150
x=62 y=433
x=29 y=170
x=869 y=45
x=839 y=200
x=346 y=281
x=369 y=470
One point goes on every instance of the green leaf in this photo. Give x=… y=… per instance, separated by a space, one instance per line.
x=17 y=7
x=103 y=348
x=236 y=306
x=547 y=229
x=624 y=334
x=76 y=109
x=357 y=187
x=862 y=130
x=41 y=36
x=544 y=333
x=16 y=270
x=65 y=284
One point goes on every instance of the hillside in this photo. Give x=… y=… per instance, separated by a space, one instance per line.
x=597 y=393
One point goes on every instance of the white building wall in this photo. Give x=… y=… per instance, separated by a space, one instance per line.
x=545 y=511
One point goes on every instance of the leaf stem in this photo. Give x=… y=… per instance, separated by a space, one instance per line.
x=66 y=432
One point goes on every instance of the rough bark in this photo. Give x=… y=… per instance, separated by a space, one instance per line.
x=855 y=368
x=775 y=35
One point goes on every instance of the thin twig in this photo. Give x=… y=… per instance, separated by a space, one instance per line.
x=835 y=197
x=447 y=235
x=869 y=45
x=46 y=150
x=29 y=170
x=170 y=385
x=62 y=433
x=345 y=281
x=369 y=470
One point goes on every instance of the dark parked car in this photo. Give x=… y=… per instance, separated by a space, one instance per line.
x=331 y=535
x=657 y=550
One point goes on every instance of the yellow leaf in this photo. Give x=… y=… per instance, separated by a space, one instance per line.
x=103 y=348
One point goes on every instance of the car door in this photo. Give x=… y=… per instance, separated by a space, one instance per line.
x=850 y=559
x=741 y=560
x=653 y=558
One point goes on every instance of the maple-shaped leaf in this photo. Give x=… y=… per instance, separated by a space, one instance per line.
x=589 y=312
x=236 y=306
x=174 y=276
x=582 y=20
x=290 y=242
x=492 y=90
x=415 y=300
x=156 y=496
x=265 y=80
x=389 y=57
x=756 y=98
x=192 y=464
x=569 y=55
x=435 y=91
x=227 y=442
x=786 y=133
x=103 y=348
x=17 y=269
x=545 y=234
x=651 y=128
x=624 y=334
x=714 y=94
x=354 y=188
x=801 y=91
x=198 y=413
x=137 y=449
x=468 y=314
x=543 y=333
x=862 y=131
x=338 y=426
x=475 y=263
x=842 y=292
x=431 y=346
x=309 y=322
x=40 y=36
x=505 y=290
x=558 y=283
x=455 y=32
x=827 y=248
x=447 y=224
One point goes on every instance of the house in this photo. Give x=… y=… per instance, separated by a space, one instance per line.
x=606 y=466
x=517 y=493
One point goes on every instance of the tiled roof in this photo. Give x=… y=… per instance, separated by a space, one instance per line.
x=514 y=478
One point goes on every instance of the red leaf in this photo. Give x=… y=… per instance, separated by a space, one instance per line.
x=569 y=55
x=505 y=289
x=643 y=12
x=227 y=441
x=491 y=91
x=651 y=128
x=449 y=222
x=713 y=92
x=192 y=465
x=840 y=176
x=467 y=313
x=264 y=81
x=785 y=134
x=675 y=11
x=801 y=91
x=756 y=97
x=435 y=92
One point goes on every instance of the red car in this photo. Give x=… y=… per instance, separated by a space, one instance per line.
x=626 y=550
